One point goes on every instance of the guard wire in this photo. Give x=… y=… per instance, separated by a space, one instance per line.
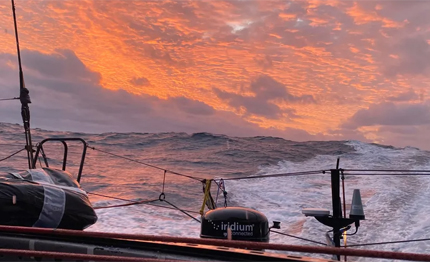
x=389 y=174
x=278 y=175
x=387 y=170
x=301 y=238
x=164 y=181
x=132 y=201
x=181 y=210
x=17 y=152
x=5 y=99
x=390 y=242
x=148 y=165
x=127 y=204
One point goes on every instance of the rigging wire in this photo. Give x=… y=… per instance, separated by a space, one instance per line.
x=29 y=148
x=137 y=202
x=150 y=202
x=127 y=204
x=164 y=182
x=390 y=174
x=19 y=151
x=221 y=187
x=40 y=162
x=189 y=211
x=112 y=197
x=149 y=165
x=181 y=210
x=301 y=238
x=218 y=242
x=5 y=99
x=24 y=97
x=390 y=242
x=279 y=175
x=344 y=208
x=386 y=170
x=186 y=212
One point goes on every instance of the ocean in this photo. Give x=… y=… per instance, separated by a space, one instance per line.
x=395 y=207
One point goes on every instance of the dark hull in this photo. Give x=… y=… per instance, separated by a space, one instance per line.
x=128 y=248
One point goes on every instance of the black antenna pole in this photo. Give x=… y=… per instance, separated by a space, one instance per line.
x=24 y=97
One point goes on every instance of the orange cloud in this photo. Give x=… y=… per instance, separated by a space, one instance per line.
x=362 y=17
x=166 y=49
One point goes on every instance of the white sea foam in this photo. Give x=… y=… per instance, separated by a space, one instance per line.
x=395 y=207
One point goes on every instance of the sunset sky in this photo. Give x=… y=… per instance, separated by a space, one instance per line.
x=301 y=70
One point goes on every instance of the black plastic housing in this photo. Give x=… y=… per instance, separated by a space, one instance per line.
x=245 y=224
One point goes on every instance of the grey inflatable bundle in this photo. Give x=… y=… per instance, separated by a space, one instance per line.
x=47 y=197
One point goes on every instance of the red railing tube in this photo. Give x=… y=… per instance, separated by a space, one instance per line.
x=225 y=243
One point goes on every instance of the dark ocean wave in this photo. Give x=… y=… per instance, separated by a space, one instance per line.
x=394 y=200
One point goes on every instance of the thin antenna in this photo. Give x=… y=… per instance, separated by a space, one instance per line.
x=24 y=97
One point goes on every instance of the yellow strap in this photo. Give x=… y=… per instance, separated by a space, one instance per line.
x=207 y=191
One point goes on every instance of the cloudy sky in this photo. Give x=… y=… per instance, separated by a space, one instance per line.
x=301 y=70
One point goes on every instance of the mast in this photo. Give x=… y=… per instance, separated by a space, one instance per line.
x=24 y=97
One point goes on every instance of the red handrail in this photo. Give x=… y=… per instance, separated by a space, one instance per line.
x=226 y=243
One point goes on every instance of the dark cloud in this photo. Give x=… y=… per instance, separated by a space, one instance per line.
x=268 y=88
x=265 y=62
x=407 y=129
x=296 y=31
x=164 y=33
x=265 y=91
x=403 y=136
x=343 y=134
x=339 y=99
x=140 y=81
x=252 y=105
x=192 y=106
x=407 y=96
x=76 y=104
x=390 y=114
x=163 y=54
x=413 y=57
x=414 y=11
x=6 y=60
x=342 y=52
x=63 y=64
